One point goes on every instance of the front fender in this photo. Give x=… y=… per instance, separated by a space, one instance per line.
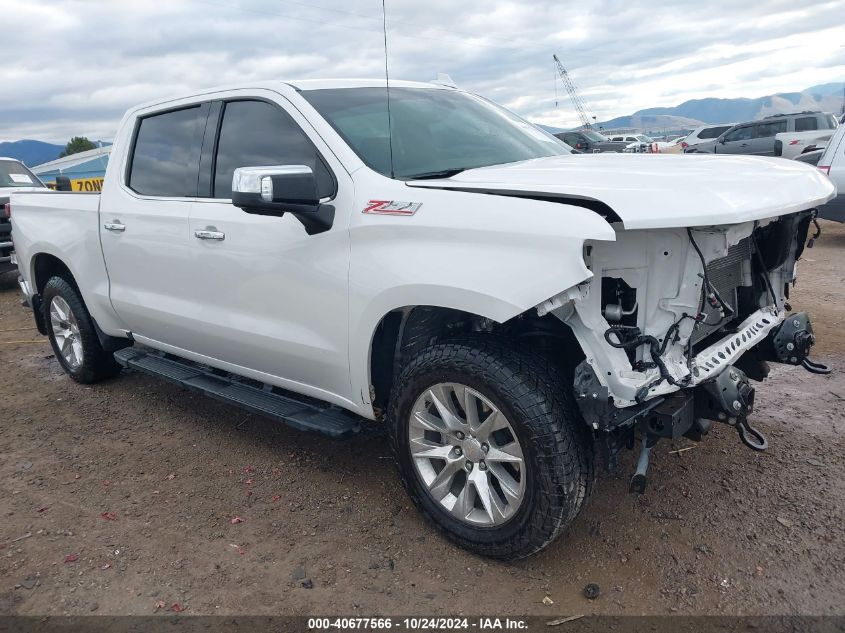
x=487 y=255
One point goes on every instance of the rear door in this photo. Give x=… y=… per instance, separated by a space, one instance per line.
x=764 y=137
x=144 y=223
x=265 y=296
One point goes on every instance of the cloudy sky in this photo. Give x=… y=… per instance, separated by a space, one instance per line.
x=72 y=67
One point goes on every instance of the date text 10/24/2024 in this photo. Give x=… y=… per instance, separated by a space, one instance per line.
x=418 y=623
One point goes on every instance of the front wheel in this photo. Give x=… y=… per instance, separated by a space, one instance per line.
x=490 y=445
x=73 y=335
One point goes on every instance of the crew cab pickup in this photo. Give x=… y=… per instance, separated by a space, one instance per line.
x=440 y=266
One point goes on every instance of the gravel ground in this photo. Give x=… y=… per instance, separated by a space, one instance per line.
x=120 y=499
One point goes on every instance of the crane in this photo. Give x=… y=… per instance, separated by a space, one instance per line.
x=580 y=107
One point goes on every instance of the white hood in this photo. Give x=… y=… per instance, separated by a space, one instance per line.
x=649 y=191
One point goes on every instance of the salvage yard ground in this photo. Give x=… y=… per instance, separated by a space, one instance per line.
x=133 y=496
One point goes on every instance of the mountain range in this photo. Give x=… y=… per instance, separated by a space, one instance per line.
x=688 y=115
x=691 y=114
x=31 y=153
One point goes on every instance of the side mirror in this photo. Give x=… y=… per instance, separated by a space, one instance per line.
x=63 y=183
x=275 y=190
x=723 y=139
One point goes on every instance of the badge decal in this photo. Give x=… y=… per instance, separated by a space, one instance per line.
x=391 y=207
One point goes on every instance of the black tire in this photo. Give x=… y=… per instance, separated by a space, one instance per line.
x=96 y=364
x=556 y=442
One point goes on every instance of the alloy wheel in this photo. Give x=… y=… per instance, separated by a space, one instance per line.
x=467 y=455
x=66 y=332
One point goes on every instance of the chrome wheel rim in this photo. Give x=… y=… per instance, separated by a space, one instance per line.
x=66 y=332
x=467 y=455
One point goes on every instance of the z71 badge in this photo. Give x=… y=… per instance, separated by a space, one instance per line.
x=391 y=207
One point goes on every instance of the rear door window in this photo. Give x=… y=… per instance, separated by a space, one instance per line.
x=806 y=124
x=766 y=130
x=258 y=133
x=166 y=157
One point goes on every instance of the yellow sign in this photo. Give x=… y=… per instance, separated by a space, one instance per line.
x=87 y=184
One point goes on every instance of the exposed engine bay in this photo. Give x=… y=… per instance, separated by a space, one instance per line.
x=675 y=323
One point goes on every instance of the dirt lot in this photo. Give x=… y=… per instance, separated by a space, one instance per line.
x=119 y=498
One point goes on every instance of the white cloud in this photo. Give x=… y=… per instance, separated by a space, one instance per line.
x=71 y=67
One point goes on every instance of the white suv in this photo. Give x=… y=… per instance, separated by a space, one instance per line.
x=705 y=133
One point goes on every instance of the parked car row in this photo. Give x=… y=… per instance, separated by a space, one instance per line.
x=759 y=137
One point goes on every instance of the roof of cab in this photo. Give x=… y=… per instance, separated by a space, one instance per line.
x=303 y=84
x=321 y=84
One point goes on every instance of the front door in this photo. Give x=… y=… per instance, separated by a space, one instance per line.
x=737 y=142
x=265 y=295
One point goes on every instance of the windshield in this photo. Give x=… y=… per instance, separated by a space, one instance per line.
x=642 y=138
x=14 y=174
x=435 y=132
x=594 y=136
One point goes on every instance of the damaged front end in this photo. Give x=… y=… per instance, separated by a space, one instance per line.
x=676 y=323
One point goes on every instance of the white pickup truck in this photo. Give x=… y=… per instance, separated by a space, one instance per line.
x=793 y=144
x=440 y=266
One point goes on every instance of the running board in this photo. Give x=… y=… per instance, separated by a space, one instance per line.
x=305 y=416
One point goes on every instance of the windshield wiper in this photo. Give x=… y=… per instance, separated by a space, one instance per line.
x=444 y=173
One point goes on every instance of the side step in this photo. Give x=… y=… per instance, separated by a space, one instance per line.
x=310 y=415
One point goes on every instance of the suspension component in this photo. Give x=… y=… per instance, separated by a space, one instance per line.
x=791 y=341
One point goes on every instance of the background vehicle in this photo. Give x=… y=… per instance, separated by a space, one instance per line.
x=811 y=158
x=644 y=143
x=498 y=303
x=14 y=176
x=832 y=163
x=589 y=141
x=758 y=137
x=704 y=134
x=793 y=144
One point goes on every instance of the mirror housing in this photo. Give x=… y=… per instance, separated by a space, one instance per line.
x=275 y=189
x=63 y=183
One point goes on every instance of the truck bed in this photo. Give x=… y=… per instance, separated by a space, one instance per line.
x=66 y=226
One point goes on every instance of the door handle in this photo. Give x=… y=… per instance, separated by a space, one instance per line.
x=115 y=226
x=209 y=233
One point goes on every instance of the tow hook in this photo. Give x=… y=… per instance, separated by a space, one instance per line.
x=791 y=343
x=730 y=399
x=750 y=436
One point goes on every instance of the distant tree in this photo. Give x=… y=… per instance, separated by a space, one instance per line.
x=77 y=144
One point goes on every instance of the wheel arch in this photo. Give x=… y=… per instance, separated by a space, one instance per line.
x=46 y=265
x=403 y=332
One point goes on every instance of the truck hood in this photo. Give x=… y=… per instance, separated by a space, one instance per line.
x=649 y=191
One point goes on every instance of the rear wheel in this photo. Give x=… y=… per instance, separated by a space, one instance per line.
x=491 y=446
x=73 y=335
